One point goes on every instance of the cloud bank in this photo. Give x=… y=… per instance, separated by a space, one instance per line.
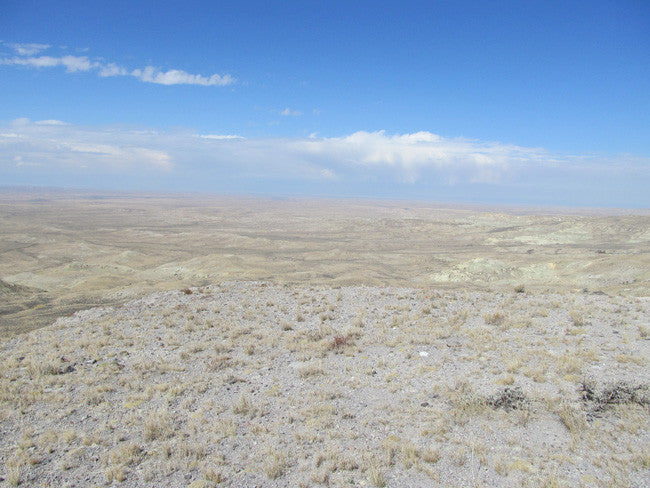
x=54 y=146
x=406 y=155
x=76 y=64
x=416 y=165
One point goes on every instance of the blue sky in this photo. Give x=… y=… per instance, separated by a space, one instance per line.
x=532 y=102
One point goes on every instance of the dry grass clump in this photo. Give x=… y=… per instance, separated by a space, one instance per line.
x=577 y=317
x=408 y=453
x=375 y=473
x=14 y=471
x=50 y=365
x=345 y=341
x=158 y=426
x=119 y=459
x=508 y=399
x=126 y=454
x=572 y=417
x=213 y=475
x=570 y=363
x=115 y=473
x=244 y=406
x=494 y=318
x=338 y=342
x=313 y=368
x=275 y=464
x=219 y=362
x=465 y=403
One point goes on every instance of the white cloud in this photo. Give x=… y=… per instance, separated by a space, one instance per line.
x=287 y=112
x=419 y=160
x=149 y=74
x=123 y=156
x=411 y=153
x=29 y=49
x=77 y=63
x=327 y=174
x=50 y=122
x=111 y=69
x=57 y=144
x=405 y=156
x=219 y=136
x=72 y=64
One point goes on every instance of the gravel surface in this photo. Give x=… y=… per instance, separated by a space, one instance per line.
x=255 y=384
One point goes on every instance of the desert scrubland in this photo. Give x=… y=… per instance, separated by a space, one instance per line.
x=202 y=341
x=63 y=252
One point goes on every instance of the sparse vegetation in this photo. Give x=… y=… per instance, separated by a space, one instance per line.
x=494 y=318
x=577 y=317
x=250 y=396
x=158 y=425
x=508 y=399
x=572 y=417
x=620 y=393
x=275 y=464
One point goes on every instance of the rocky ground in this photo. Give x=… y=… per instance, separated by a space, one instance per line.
x=255 y=384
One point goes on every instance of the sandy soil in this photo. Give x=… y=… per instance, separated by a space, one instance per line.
x=260 y=384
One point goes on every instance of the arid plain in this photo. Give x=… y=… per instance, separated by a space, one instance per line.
x=153 y=340
x=62 y=252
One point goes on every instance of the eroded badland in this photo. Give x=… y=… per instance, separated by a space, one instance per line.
x=62 y=252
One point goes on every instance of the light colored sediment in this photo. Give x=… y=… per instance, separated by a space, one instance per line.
x=70 y=251
x=256 y=384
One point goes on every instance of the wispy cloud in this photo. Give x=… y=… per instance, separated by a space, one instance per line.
x=29 y=49
x=219 y=137
x=287 y=112
x=417 y=162
x=151 y=74
x=50 y=122
x=74 y=64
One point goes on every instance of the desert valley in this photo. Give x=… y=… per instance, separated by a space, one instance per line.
x=157 y=340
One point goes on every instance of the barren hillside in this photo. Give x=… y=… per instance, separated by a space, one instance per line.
x=256 y=384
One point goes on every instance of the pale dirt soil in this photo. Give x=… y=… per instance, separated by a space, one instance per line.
x=61 y=252
x=261 y=384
